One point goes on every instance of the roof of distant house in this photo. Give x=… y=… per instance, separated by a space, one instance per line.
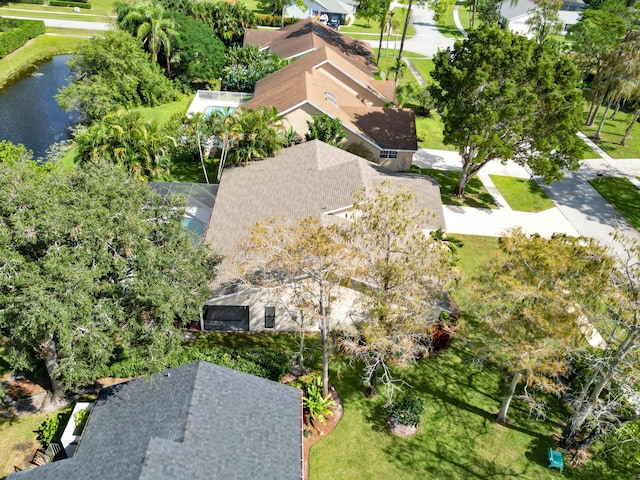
x=307 y=180
x=307 y=35
x=300 y=82
x=196 y=421
x=510 y=10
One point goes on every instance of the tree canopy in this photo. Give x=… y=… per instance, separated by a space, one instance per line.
x=94 y=267
x=326 y=129
x=528 y=299
x=402 y=274
x=504 y=97
x=110 y=73
x=245 y=65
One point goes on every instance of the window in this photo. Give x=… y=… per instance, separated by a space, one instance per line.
x=269 y=317
x=389 y=154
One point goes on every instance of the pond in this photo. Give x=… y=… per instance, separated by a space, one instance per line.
x=29 y=113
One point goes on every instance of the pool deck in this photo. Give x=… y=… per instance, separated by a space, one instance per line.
x=204 y=99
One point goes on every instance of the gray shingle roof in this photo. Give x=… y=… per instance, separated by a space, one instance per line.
x=199 y=421
x=305 y=180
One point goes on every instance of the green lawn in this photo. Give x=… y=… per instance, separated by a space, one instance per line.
x=612 y=133
x=475 y=193
x=18 y=442
x=362 y=30
x=447 y=25
x=622 y=195
x=429 y=130
x=522 y=194
x=40 y=48
x=162 y=113
x=99 y=8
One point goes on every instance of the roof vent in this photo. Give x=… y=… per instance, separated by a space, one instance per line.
x=330 y=97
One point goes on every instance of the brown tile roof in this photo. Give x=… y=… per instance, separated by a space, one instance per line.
x=306 y=180
x=289 y=87
x=307 y=35
x=390 y=128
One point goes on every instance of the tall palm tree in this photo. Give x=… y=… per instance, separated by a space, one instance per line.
x=622 y=81
x=404 y=30
x=382 y=17
x=147 y=22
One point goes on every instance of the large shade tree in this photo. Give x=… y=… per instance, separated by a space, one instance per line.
x=528 y=299
x=110 y=73
x=402 y=274
x=504 y=97
x=94 y=266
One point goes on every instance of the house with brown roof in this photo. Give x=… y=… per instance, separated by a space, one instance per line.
x=307 y=35
x=324 y=81
x=312 y=179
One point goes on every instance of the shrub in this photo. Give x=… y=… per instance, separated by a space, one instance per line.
x=273 y=20
x=32 y=2
x=81 y=417
x=424 y=103
x=59 y=3
x=51 y=429
x=406 y=411
x=15 y=33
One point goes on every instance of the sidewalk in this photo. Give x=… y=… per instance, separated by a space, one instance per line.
x=579 y=209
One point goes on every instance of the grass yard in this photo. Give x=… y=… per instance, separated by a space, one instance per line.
x=623 y=195
x=38 y=49
x=362 y=30
x=162 y=113
x=429 y=131
x=447 y=26
x=18 y=442
x=99 y=8
x=522 y=194
x=475 y=194
x=612 y=133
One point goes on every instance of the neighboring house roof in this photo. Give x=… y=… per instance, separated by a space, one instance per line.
x=308 y=35
x=306 y=180
x=335 y=6
x=196 y=421
x=512 y=11
x=301 y=83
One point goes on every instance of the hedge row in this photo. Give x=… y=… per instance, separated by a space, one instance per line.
x=33 y=2
x=273 y=21
x=260 y=362
x=59 y=3
x=18 y=33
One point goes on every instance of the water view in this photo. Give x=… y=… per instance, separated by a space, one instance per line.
x=29 y=113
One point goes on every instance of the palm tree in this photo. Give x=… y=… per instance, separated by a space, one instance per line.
x=382 y=16
x=397 y=69
x=392 y=24
x=404 y=30
x=146 y=22
x=622 y=81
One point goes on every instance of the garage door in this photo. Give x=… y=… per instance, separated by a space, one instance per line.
x=226 y=318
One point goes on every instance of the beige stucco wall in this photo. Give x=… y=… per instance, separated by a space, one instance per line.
x=287 y=316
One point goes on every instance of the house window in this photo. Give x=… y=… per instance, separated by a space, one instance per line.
x=389 y=154
x=269 y=317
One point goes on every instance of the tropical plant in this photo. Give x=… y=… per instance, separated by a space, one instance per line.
x=245 y=65
x=316 y=405
x=544 y=19
x=258 y=134
x=147 y=21
x=127 y=139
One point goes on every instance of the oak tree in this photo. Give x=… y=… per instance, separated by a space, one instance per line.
x=504 y=97
x=94 y=267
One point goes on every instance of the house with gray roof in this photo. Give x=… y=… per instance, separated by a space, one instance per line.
x=517 y=14
x=196 y=421
x=312 y=179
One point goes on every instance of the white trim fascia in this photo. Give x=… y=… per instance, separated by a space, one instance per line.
x=366 y=87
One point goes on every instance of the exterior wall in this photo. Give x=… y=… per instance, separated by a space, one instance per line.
x=287 y=317
x=298 y=118
x=400 y=164
x=357 y=90
x=519 y=24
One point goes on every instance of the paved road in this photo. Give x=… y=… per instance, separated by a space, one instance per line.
x=52 y=22
x=427 y=40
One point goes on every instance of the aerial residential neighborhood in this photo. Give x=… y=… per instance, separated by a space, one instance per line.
x=319 y=239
